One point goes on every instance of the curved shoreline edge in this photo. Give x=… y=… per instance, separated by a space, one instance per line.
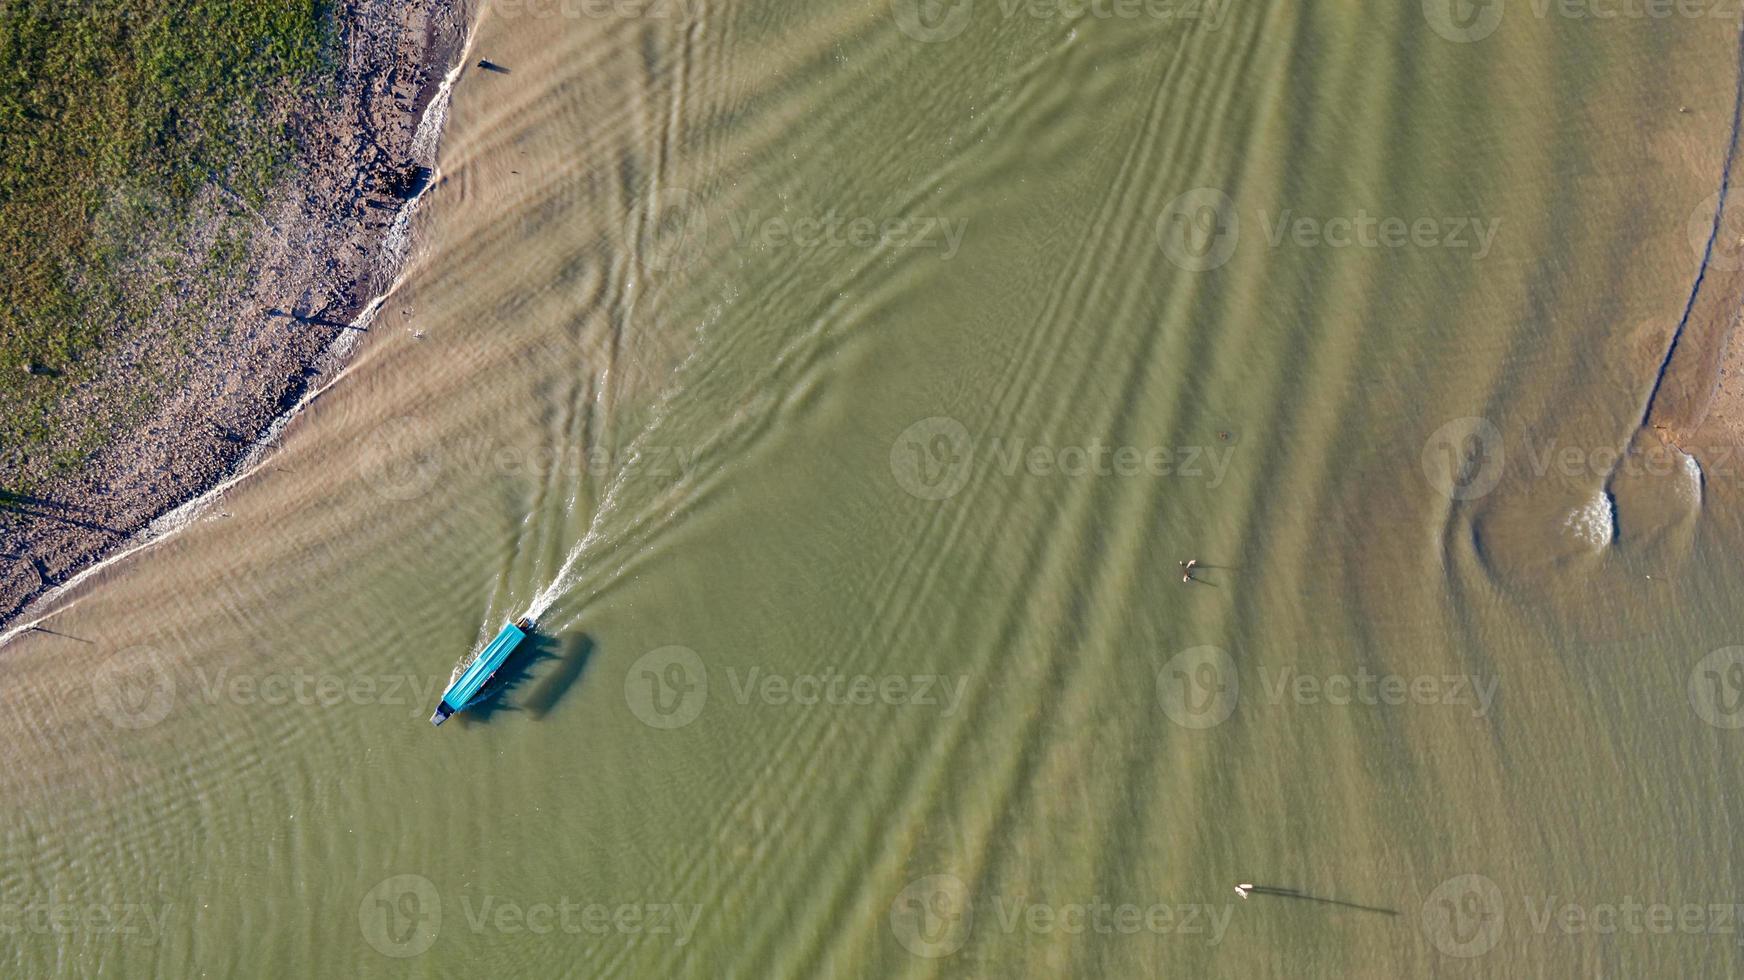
x=1693 y=359
x=313 y=248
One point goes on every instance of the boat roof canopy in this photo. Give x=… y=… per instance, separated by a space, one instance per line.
x=466 y=686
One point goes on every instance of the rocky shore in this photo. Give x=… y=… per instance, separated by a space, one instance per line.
x=216 y=362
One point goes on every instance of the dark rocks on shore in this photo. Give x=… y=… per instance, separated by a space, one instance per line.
x=407 y=183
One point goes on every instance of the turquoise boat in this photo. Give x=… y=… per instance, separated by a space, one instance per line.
x=465 y=688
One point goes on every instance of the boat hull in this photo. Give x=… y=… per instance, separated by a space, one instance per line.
x=466 y=687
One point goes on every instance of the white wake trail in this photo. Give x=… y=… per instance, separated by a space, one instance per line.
x=568 y=573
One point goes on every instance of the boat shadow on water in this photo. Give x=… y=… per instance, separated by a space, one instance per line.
x=544 y=685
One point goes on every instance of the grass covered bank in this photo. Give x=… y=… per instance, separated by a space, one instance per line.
x=196 y=199
x=115 y=117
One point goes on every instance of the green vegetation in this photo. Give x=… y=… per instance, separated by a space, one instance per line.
x=114 y=116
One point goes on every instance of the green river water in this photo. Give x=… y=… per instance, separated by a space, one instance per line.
x=842 y=384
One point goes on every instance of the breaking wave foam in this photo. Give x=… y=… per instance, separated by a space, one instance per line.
x=1594 y=523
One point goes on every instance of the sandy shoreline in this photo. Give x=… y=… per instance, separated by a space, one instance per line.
x=1696 y=403
x=316 y=255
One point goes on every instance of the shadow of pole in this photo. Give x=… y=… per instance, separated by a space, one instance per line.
x=1246 y=890
x=68 y=636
